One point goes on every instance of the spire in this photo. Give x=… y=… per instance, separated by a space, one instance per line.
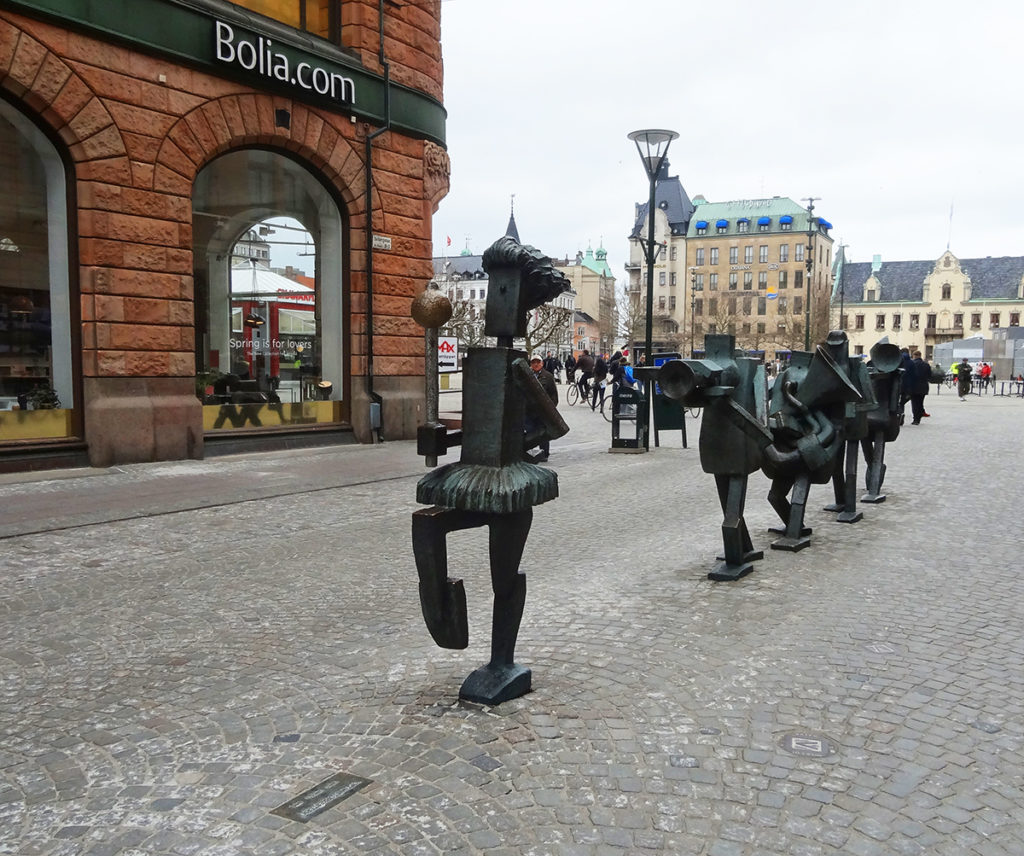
x=512 y=231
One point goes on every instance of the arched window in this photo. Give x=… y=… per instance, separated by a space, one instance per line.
x=37 y=388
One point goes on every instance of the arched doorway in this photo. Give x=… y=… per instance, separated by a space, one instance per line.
x=271 y=296
x=37 y=376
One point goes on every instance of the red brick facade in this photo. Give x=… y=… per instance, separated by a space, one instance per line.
x=137 y=130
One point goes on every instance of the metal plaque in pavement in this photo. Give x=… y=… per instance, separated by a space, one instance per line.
x=809 y=745
x=319 y=798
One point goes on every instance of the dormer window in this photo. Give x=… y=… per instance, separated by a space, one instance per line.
x=947 y=291
x=870 y=296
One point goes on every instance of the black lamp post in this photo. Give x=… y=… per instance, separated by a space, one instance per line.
x=693 y=308
x=652 y=144
x=810 y=267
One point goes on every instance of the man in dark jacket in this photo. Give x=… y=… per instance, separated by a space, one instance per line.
x=920 y=374
x=533 y=421
x=600 y=375
x=585 y=363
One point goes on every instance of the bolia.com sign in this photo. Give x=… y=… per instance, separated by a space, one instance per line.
x=259 y=56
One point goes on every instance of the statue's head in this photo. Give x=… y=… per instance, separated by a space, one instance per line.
x=521 y=278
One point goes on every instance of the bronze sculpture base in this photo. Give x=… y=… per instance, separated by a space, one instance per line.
x=493 y=684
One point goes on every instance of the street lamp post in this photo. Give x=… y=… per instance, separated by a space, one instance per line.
x=810 y=267
x=652 y=144
x=693 y=308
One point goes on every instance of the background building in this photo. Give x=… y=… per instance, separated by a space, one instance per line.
x=747 y=268
x=673 y=210
x=137 y=153
x=735 y=267
x=922 y=304
x=594 y=285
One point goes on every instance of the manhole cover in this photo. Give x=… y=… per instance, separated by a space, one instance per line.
x=319 y=798
x=808 y=745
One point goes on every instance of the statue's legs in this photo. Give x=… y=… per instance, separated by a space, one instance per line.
x=502 y=679
x=845 y=485
x=796 y=536
x=874 y=453
x=442 y=600
x=739 y=550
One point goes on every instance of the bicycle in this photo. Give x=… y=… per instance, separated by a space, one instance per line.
x=573 y=395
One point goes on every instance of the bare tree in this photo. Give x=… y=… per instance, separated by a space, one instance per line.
x=467 y=323
x=632 y=316
x=546 y=329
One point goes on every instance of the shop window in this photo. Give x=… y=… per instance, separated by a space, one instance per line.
x=319 y=17
x=270 y=321
x=37 y=388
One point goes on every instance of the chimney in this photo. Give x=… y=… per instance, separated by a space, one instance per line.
x=876 y=264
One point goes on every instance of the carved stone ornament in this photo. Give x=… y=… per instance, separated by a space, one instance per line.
x=437 y=170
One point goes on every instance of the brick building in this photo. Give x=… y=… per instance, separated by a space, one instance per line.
x=139 y=152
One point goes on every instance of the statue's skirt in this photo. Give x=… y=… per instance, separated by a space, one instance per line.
x=497 y=490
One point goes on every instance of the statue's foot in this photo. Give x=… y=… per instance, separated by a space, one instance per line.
x=781 y=530
x=834 y=506
x=752 y=556
x=724 y=572
x=494 y=684
x=793 y=545
x=849 y=517
x=873 y=497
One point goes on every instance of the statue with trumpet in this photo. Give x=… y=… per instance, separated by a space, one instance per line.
x=733 y=392
x=884 y=421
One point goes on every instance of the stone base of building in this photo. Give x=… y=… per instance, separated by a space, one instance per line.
x=403 y=408
x=133 y=420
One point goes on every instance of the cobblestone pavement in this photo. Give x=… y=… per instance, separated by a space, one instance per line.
x=185 y=647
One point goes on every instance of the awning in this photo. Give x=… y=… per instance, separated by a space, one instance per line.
x=702 y=224
x=785 y=218
x=743 y=220
x=763 y=221
x=722 y=224
x=822 y=221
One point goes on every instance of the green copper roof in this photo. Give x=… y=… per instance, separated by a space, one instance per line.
x=774 y=208
x=598 y=264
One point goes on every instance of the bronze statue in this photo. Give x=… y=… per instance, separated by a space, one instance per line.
x=851 y=417
x=492 y=485
x=884 y=420
x=733 y=392
x=805 y=441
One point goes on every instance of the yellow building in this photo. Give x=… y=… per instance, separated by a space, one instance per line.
x=922 y=304
x=755 y=269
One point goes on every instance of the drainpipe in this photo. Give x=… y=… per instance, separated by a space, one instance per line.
x=376 y=401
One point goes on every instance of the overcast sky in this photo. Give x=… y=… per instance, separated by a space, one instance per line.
x=890 y=112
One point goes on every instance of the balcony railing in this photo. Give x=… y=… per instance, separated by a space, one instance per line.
x=944 y=331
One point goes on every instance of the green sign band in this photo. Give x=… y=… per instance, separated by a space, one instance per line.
x=223 y=40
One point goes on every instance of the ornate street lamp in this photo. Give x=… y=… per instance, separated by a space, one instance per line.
x=652 y=144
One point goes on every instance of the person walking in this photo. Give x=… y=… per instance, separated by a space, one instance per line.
x=921 y=374
x=552 y=366
x=906 y=380
x=533 y=421
x=570 y=368
x=963 y=379
x=600 y=374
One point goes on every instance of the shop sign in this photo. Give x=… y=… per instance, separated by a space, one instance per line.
x=447 y=354
x=380 y=242
x=258 y=55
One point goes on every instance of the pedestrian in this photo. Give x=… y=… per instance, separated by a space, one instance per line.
x=552 y=366
x=585 y=363
x=906 y=380
x=963 y=379
x=921 y=374
x=985 y=373
x=570 y=368
x=533 y=421
x=600 y=375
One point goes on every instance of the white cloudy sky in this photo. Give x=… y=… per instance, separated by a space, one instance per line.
x=888 y=111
